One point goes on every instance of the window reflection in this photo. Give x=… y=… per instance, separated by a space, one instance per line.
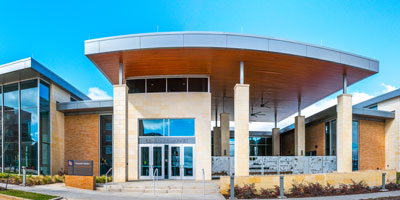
x=29 y=126
x=355 y=145
x=166 y=127
x=44 y=90
x=105 y=143
x=11 y=97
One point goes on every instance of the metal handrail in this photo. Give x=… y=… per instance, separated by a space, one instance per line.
x=154 y=180
x=204 y=183
x=107 y=178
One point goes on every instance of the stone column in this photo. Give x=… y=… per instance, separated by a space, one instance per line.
x=241 y=110
x=224 y=134
x=120 y=137
x=299 y=136
x=344 y=133
x=276 y=140
x=217 y=141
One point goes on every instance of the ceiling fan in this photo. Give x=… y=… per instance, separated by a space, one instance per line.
x=256 y=114
x=264 y=104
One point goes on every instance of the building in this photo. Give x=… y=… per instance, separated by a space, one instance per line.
x=169 y=87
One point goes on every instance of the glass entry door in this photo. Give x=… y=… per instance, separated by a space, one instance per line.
x=181 y=165
x=151 y=161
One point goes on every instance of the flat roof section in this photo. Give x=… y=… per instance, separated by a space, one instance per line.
x=279 y=71
x=84 y=106
x=29 y=68
x=357 y=112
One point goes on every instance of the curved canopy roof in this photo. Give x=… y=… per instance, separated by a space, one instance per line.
x=279 y=71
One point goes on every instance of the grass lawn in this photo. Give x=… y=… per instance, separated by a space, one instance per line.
x=27 y=195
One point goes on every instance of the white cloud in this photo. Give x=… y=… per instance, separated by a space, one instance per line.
x=96 y=93
x=388 y=88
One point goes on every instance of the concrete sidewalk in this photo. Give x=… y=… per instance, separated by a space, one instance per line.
x=59 y=189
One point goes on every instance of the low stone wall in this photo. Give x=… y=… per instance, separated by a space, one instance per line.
x=83 y=182
x=370 y=177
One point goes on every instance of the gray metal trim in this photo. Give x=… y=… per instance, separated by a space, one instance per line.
x=331 y=112
x=35 y=65
x=167 y=140
x=378 y=99
x=228 y=41
x=85 y=105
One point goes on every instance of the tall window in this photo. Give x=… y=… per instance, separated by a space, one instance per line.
x=354 y=145
x=11 y=104
x=1 y=133
x=105 y=143
x=44 y=90
x=330 y=138
x=29 y=125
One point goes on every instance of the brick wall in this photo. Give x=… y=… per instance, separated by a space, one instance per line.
x=315 y=138
x=287 y=144
x=372 y=145
x=82 y=139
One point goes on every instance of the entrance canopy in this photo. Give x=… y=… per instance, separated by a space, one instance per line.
x=280 y=72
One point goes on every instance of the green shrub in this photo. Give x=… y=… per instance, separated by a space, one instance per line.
x=102 y=179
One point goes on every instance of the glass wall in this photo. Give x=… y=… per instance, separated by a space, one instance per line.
x=11 y=115
x=168 y=84
x=354 y=145
x=330 y=138
x=29 y=126
x=26 y=122
x=166 y=127
x=44 y=93
x=105 y=143
x=259 y=146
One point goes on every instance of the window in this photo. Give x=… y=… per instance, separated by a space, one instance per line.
x=374 y=107
x=156 y=85
x=167 y=84
x=354 y=145
x=11 y=104
x=151 y=127
x=29 y=125
x=260 y=146
x=330 y=138
x=136 y=86
x=166 y=127
x=198 y=84
x=177 y=84
x=105 y=143
x=44 y=108
x=232 y=147
x=181 y=127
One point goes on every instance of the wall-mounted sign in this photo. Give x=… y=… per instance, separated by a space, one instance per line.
x=80 y=167
x=167 y=140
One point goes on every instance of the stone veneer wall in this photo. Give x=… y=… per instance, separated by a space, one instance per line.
x=172 y=105
x=82 y=141
x=315 y=136
x=57 y=128
x=371 y=145
x=392 y=134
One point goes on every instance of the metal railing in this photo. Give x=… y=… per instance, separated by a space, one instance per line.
x=265 y=165
x=204 y=182
x=107 y=178
x=155 y=178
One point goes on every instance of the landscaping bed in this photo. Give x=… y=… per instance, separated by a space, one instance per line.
x=30 y=180
x=249 y=191
x=26 y=195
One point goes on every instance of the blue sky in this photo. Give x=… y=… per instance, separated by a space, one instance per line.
x=53 y=32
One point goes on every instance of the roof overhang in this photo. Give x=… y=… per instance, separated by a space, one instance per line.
x=281 y=71
x=331 y=112
x=29 y=68
x=85 y=106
